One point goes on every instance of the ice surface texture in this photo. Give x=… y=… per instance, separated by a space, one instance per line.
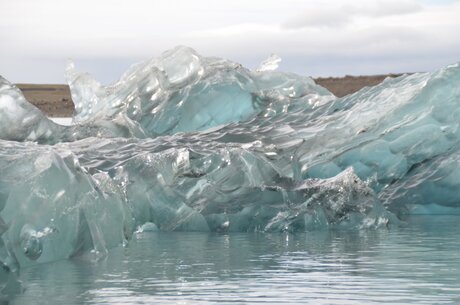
x=185 y=142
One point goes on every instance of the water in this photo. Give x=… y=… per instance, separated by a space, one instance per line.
x=414 y=264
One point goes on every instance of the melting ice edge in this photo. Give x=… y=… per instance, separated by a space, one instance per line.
x=192 y=143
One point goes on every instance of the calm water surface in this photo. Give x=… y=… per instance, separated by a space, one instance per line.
x=418 y=264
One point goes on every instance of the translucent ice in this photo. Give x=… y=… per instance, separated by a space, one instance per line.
x=182 y=91
x=270 y=64
x=20 y=120
x=185 y=142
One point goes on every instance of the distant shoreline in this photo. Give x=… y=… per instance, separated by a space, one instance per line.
x=55 y=100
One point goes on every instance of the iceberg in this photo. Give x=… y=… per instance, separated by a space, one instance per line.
x=192 y=143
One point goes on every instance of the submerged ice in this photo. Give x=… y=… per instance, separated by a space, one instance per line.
x=192 y=143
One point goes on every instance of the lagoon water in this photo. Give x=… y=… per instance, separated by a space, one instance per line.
x=418 y=263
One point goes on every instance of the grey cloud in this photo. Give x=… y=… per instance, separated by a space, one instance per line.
x=383 y=8
x=339 y=16
x=319 y=17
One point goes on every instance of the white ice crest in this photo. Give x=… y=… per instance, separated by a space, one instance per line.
x=269 y=64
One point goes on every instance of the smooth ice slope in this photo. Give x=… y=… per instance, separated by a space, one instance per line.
x=185 y=142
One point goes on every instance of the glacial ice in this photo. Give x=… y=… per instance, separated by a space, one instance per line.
x=192 y=143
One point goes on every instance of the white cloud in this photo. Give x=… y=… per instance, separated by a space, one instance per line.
x=336 y=33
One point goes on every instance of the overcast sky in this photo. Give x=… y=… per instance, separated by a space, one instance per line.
x=317 y=38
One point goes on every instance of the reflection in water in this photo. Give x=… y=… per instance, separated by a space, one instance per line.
x=414 y=264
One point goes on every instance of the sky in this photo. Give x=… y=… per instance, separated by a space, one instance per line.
x=314 y=38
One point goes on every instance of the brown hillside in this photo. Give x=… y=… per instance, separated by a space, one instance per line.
x=55 y=100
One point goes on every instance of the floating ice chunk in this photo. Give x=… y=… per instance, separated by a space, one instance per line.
x=193 y=143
